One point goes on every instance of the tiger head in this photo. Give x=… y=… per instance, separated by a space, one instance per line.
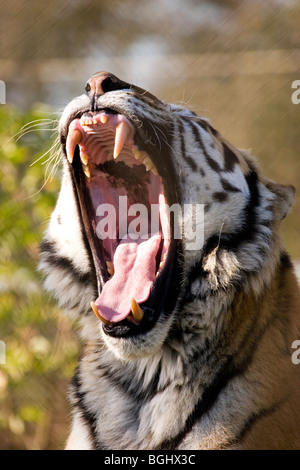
x=159 y=222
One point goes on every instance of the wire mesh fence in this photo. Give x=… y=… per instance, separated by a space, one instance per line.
x=231 y=61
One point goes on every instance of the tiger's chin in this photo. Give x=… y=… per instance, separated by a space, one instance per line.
x=139 y=345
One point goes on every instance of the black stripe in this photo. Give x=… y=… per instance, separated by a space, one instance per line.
x=228 y=370
x=220 y=196
x=232 y=241
x=227 y=186
x=255 y=417
x=230 y=157
x=252 y=420
x=49 y=255
x=89 y=417
x=191 y=162
x=229 y=152
x=204 y=404
x=187 y=158
x=248 y=230
x=285 y=261
x=135 y=389
x=197 y=135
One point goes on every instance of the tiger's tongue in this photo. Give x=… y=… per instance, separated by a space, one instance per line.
x=134 y=273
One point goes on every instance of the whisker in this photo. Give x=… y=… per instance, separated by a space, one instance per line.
x=33 y=127
x=56 y=142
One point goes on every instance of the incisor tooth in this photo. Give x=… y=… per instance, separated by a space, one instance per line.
x=73 y=139
x=123 y=131
x=137 y=311
x=96 y=312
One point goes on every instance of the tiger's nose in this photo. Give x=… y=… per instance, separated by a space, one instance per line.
x=102 y=82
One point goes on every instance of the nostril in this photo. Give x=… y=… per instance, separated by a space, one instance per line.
x=102 y=82
x=110 y=83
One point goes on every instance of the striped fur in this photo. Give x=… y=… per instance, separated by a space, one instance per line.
x=216 y=371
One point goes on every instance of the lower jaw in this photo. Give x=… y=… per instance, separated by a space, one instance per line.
x=139 y=346
x=158 y=308
x=127 y=329
x=160 y=304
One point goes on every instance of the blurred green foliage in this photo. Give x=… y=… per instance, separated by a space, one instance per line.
x=40 y=346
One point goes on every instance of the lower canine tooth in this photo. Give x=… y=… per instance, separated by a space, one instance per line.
x=131 y=319
x=136 y=153
x=110 y=268
x=148 y=163
x=84 y=158
x=86 y=170
x=96 y=312
x=137 y=311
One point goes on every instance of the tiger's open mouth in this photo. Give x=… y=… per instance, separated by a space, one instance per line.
x=123 y=202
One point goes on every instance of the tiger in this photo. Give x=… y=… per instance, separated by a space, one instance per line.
x=187 y=329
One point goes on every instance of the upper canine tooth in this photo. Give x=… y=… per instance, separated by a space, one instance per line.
x=137 y=311
x=123 y=131
x=73 y=139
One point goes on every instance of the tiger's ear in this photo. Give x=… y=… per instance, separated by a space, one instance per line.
x=285 y=196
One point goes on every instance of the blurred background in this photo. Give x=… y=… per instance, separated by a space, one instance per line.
x=232 y=61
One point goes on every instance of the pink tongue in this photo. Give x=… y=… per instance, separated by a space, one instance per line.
x=135 y=268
